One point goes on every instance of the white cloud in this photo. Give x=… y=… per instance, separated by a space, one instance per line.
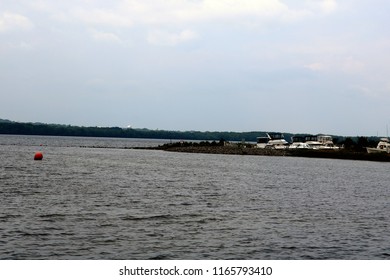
x=11 y=22
x=348 y=65
x=351 y=65
x=127 y=13
x=232 y=8
x=325 y=6
x=187 y=11
x=316 y=66
x=365 y=90
x=105 y=36
x=328 y=5
x=163 y=38
x=103 y=17
x=20 y=46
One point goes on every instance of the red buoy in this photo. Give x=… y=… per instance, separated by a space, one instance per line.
x=38 y=156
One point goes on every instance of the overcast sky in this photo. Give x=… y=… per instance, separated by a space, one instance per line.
x=299 y=66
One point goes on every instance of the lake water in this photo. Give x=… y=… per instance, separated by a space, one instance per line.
x=86 y=202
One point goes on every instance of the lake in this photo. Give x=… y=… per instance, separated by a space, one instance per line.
x=96 y=198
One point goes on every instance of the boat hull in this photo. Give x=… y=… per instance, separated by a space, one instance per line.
x=376 y=150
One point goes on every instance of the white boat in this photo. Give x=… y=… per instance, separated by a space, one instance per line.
x=312 y=141
x=327 y=142
x=298 y=142
x=321 y=142
x=300 y=145
x=262 y=142
x=272 y=141
x=276 y=141
x=382 y=147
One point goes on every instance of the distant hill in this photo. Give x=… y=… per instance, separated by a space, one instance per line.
x=5 y=121
x=22 y=128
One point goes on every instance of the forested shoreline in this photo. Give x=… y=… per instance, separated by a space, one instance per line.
x=19 y=128
x=30 y=128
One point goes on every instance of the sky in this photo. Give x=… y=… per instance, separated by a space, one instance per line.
x=298 y=66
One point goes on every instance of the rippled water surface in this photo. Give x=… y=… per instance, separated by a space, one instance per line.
x=89 y=198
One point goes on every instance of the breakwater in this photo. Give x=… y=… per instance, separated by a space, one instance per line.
x=250 y=149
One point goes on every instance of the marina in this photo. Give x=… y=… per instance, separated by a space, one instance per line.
x=309 y=146
x=278 y=141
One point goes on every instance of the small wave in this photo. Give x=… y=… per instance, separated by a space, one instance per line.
x=289 y=247
x=207 y=220
x=64 y=233
x=153 y=217
x=161 y=217
x=26 y=234
x=191 y=215
x=10 y=216
x=104 y=241
x=160 y=257
x=108 y=225
x=186 y=203
x=52 y=218
x=54 y=215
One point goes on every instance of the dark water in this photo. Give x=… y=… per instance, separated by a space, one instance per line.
x=108 y=203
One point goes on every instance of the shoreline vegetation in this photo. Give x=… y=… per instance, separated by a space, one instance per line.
x=354 y=148
x=23 y=128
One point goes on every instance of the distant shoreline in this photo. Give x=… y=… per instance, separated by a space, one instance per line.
x=354 y=147
x=237 y=149
x=44 y=129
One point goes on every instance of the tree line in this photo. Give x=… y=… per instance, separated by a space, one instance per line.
x=19 y=128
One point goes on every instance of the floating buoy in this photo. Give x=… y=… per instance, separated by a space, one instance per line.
x=38 y=156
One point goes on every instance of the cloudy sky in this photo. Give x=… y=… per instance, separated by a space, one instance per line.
x=300 y=66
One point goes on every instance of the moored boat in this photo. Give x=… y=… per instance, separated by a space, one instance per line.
x=298 y=142
x=262 y=142
x=300 y=145
x=321 y=142
x=276 y=141
x=327 y=142
x=272 y=141
x=382 y=147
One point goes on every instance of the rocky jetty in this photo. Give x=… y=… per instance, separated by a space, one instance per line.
x=250 y=149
